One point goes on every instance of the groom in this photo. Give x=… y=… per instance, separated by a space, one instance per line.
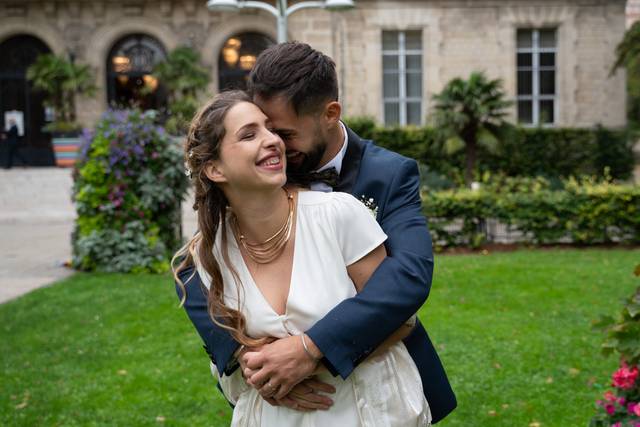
x=296 y=86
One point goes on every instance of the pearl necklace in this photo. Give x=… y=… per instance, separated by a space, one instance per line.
x=270 y=249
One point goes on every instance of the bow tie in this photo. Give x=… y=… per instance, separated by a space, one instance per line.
x=328 y=176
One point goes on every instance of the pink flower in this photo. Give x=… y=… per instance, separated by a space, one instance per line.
x=611 y=409
x=625 y=378
x=634 y=409
x=609 y=396
x=616 y=424
x=621 y=401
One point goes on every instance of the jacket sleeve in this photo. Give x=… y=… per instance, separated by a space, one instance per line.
x=395 y=291
x=218 y=342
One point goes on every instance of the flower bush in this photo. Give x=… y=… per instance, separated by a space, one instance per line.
x=129 y=183
x=620 y=407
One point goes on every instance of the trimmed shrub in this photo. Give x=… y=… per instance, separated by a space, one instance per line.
x=128 y=187
x=561 y=152
x=580 y=212
x=547 y=152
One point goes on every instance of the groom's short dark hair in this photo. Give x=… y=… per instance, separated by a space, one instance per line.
x=304 y=76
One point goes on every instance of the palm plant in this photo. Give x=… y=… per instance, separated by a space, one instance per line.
x=61 y=80
x=467 y=108
x=184 y=77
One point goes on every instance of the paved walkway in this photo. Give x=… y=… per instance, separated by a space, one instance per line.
x=36 y=220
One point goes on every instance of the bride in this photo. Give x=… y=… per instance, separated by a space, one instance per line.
x=276 y=258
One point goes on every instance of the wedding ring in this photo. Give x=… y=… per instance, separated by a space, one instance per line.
x=270 y=389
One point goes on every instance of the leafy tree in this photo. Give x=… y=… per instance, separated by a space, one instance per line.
x=184 y=77
x=471 y=111
x=61 y=80
x=628 y=56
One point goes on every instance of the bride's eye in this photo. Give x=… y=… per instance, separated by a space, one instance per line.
x=247 y=136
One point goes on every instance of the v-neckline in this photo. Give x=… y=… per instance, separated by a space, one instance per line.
x=248 y=274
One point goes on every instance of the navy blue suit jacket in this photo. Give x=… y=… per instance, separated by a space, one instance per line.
x=397 y=289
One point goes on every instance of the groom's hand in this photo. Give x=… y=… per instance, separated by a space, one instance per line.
x=279 y=366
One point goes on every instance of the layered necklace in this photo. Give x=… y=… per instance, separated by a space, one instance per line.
x=270 y=249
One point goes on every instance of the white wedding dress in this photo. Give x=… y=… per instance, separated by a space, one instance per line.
x=333 y=230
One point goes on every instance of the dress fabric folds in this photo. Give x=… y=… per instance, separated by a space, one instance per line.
x=332 y=230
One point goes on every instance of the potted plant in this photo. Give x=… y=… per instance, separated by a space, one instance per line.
x=61 y=80
x=184 y=78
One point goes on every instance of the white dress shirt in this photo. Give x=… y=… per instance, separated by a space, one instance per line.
x=336 y=162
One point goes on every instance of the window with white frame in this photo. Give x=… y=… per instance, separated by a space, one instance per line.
x=402 y=77
x=536 y=63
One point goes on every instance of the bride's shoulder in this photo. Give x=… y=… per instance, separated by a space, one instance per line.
x=334 y=206
x=319 y=198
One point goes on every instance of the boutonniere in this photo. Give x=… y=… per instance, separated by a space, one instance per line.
x=370 y=204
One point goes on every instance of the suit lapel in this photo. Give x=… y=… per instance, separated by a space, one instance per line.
x=350 y=162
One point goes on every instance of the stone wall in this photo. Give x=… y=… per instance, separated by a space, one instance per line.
x=458 y=37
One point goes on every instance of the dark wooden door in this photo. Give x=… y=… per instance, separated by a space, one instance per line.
x=16 y=93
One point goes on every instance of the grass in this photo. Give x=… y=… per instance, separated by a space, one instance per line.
x=513 y=330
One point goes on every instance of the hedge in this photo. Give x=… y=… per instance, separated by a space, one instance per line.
x=549 y=152
x=582 y=213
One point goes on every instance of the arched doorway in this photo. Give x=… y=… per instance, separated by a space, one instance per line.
x=237 y=57
x=16 y=93
x=129 y=67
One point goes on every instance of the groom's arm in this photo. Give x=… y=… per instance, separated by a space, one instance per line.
x=396 y=290
x=218 y=342
x=357 y=326
x=220 y=346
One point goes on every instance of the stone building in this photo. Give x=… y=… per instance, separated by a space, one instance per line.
x=554 y=56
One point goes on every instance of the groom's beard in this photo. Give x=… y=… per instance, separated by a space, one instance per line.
x=310 y=160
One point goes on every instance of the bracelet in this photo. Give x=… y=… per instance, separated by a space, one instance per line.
x=306 y=349
x=238 y=351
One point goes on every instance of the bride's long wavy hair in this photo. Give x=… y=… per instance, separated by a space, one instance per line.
x=202 y=145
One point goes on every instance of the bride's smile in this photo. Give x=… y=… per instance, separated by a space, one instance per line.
x=252 y=157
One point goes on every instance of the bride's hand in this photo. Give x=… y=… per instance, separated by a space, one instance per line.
x=306 y=397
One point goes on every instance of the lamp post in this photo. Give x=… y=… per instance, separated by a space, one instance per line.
x=280 y=11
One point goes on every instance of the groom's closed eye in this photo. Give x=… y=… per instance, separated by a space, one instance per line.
x=284 y=134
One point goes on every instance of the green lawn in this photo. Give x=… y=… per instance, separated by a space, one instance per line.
x=513 y=330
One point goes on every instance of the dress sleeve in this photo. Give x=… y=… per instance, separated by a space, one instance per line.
x=356 y=228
